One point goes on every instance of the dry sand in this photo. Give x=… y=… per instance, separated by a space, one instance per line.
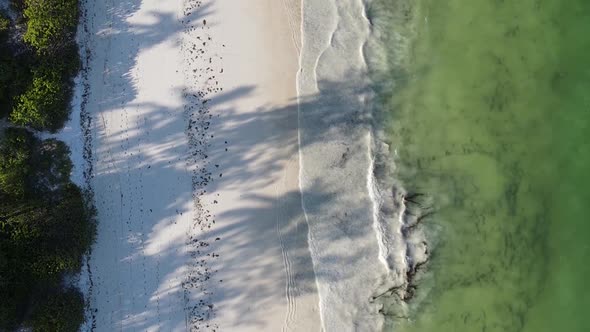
x=195 y=167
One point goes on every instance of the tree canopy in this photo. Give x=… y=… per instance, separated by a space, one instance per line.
x=51 y=24
x=44 y=104
x=45 y=226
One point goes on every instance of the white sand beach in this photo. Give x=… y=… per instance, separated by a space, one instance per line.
x=195 y=167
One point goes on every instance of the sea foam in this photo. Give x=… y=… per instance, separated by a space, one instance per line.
x=353 y=205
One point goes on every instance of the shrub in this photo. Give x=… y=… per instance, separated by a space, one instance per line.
x=6 y=67
x=66 y=61
x=13 y=305
x=6 y=77
x=16 y=283
x=4 y=25
x=45 y=229
x=14 y=77
x=42 y=240
x=51 y=24
x=61 y=312
x=45 y=103
x=15 y=153
x=66 y=236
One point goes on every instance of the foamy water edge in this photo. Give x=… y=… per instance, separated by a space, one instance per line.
x=333 y=83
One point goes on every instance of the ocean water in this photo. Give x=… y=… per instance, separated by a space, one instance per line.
x=485 y=105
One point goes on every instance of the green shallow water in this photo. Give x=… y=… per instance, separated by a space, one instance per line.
x=487 y=103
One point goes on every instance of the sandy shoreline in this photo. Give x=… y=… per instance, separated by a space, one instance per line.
x=195 y=161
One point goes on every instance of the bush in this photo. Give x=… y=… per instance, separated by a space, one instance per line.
x=45 y=229
x=6 y=77
x=40 y=101
x=33 y=168
x=52 y=168
x=61 y=312
x=45 y=103
x=15 y=153
x=13 y=304
x=6 y=67
x=51 y=24
x=4 y=25
x=15 y=76
x=66 y=235
x=66 y=62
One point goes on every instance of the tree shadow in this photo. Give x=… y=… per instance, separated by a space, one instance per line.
x=224 y=255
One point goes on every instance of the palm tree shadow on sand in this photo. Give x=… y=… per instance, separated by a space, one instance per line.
x=252 y=162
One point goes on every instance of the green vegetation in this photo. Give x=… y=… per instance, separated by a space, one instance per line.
x=45 y=224
x=36 y=71
x=51 y=24
x=8 y=70
x=60 y=312
x=14 y=168
x=4 y=24
x=44 y=105
x=45 y=230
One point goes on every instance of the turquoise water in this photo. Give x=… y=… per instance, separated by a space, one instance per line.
x=487 y=103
